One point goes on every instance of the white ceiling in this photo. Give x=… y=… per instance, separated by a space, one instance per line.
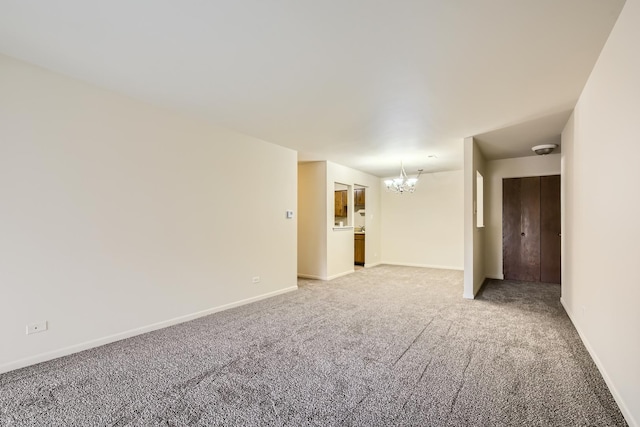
x=363 y=83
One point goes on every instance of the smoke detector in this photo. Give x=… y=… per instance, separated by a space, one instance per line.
x=544 y=148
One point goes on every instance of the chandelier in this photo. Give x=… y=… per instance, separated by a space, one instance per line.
x=402 y=184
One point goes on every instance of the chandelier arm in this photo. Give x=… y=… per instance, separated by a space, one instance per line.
x=403 y=184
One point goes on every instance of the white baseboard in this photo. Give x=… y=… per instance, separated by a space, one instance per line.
x=335 y=276
x=440 y=267
x=373 y=264
x=50 y=355
x=310 y=276
x=614 y=392
x=344 y=273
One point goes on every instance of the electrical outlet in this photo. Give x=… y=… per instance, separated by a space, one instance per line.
x=256 y=279
x=34 y=328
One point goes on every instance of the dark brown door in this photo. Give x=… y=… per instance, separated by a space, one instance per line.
x=550 y=229
x=521 y=228
x=531 y=228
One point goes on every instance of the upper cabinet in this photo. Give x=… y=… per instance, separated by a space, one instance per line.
x=341 y=203
x=358 y=197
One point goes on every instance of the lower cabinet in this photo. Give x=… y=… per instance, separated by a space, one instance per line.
x=359 y=249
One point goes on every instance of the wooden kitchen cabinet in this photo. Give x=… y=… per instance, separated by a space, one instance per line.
x=358 y=241
x=341 y=201
x=358 y=196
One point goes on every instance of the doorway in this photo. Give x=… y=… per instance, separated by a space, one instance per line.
x=531 y=229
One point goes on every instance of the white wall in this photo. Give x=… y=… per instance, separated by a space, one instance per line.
x=425 y=228
x=496 y=171
x=474 y=237
x=312 y=231
x=119 y=217
x=601 y=148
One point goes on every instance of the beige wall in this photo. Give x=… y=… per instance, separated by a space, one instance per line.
x=312 y=230
x=474 y=236
x=496 y=171
x=118 y=217
x=425 y=228
x=601 y=148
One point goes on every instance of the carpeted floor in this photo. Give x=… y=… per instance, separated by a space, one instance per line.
x=385 y=346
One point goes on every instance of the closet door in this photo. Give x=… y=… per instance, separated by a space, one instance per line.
x=550 y=229
x=531 y=229
x=521 y=228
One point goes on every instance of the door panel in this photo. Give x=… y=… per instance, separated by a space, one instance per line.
x=521 y=228
x=511 y=227
x=550 y=246
x=529 y=268
x=531 y=229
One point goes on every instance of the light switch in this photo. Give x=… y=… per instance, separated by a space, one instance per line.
x=289 y=214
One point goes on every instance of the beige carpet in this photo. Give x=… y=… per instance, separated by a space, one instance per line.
x=392 y=346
